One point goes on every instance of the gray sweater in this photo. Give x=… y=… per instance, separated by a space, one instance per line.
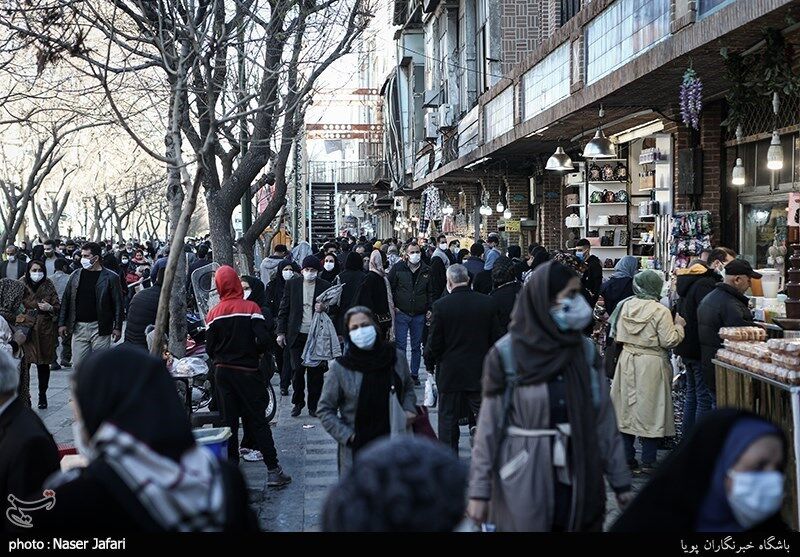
x=339 y=402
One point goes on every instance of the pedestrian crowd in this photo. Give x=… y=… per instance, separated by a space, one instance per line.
x=556 y=373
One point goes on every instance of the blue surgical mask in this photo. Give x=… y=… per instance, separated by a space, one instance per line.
x=755 y=496
x=572 y=314
x=580 y=255
x=364 y=337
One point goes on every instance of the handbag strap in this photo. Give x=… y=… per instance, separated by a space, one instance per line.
x=506 y=352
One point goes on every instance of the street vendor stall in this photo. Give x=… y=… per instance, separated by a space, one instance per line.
x=763 y=377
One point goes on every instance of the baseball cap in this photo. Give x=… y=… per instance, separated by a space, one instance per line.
x=741 y=267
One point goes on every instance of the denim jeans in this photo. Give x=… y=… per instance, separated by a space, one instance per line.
x=649 y=448
x=698 y=399
x=404 y=324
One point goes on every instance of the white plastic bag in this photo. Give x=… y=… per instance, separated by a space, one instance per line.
x=189 y=367
x=431 y=391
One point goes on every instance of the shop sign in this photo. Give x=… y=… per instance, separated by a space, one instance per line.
x=512 y=225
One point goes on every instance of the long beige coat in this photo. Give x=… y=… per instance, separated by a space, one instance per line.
x=642 y=386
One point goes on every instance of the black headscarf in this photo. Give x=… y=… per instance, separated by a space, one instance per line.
x=258 y=293
x=34 y=286
x=354 y=262
x=377 y=368
x=503 y=271
x=673 y=498
x=539 y=255
x=330 y=276
x=542 y=351
x=133 y=390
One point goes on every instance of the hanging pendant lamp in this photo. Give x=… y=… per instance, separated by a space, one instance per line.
x=738 y=177
x=559 y=161
x=600 y=147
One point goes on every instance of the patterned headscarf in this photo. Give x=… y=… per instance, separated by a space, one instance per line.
x=569 y=259
x=11 y=294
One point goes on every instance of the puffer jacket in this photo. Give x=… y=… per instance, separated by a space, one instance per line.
x=141 y=313
x=693 y=284
x=410 y=296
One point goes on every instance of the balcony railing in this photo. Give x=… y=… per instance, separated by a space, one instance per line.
x=363 y=171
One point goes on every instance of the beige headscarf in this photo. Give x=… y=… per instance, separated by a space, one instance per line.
x=376 y=263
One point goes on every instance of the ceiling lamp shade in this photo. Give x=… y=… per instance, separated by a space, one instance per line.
x=485 y=210
x=600 y=147
x=738 y=174
x=500 y=207
x=775 y=153
x=559 y=161
x=507 y=214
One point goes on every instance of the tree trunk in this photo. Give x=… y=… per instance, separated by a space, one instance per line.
x=219 y=224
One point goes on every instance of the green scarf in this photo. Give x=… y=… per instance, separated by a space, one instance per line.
x=647 y=285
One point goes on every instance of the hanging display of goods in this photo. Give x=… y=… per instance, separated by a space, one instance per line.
x=608 y=196
x=608 y=173
x=596 y=197
x=595 y=174
x=621 y=196
x=621 y=172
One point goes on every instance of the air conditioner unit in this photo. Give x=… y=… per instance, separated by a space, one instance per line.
x=430 y=99
x=446 y=116
x=400 y=203
x=431 y=125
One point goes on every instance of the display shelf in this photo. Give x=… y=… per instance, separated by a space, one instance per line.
x=608 y=160
x=643 y=243
x=608 y=204
x=608 y=226
x=609 y=247
x=573 y=185
x=608 y=269
x=574 y=205
x=608 y=182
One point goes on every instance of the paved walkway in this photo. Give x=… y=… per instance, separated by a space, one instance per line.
x=305 y=451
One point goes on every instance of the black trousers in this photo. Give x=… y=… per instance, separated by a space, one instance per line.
x=284 y=366
x=316 y=377
x=243 y=394
x=451 y=407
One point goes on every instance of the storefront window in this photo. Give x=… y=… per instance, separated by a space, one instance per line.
x=706 y=6
x=764 y=226
x=547 y=82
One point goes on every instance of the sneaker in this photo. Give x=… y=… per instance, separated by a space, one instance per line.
x=42 y=402
x=244 y=451
x=277 y=478
x=253 y=456
x=284 y=392
x=66 y=364
x=54 y=366
x=416 y=381
x=296 y=410
x=646 y=470
x=312 y=413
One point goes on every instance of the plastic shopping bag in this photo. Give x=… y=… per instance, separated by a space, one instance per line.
x=431 y=392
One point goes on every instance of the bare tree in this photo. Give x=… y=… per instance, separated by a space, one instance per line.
x=47 y=214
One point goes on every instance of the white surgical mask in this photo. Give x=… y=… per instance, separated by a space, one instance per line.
x=455 y=250
x=287 y=274
x=443 y=247
x=36 y=277
x=755 y=496
x=124 y=260
x=309 y=275
x=12 y=258
x=329 y=266
x=572 y=314
x=247 y=294
x=364 y=337
x=86 y=263
x=83 y=449
x=413 y=258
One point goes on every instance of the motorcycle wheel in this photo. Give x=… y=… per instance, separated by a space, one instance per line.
x=272 y=405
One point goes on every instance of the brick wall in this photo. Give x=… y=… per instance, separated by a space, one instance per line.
x=524 y=24
x=552 y=233
x=713 y=163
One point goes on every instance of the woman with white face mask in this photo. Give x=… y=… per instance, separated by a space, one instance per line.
x=726 y=476
x=41 y=306
x=545 y=442
x=330 y=268
x=287 y=270
x=355 y=403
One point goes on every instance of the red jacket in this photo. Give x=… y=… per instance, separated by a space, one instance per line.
x=237 y=332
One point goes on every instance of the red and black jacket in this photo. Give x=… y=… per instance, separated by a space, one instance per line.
x=237 y=331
